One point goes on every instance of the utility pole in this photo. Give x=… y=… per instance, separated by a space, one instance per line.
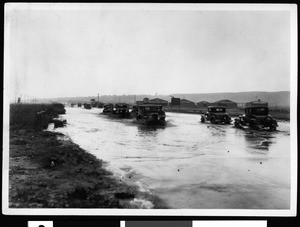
x=98 y=97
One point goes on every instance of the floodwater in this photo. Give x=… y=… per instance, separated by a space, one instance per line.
x=190 y=164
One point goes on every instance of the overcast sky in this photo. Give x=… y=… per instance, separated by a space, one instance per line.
x=56 y=53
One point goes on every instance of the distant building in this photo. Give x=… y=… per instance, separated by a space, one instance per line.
x=175 y=101
x=203 y=104
x=158 y=101
x=187 y=103
x=145 y=101
x=257 y=103
x=225 y=103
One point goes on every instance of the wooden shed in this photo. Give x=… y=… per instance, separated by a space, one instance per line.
x=203 y=104
x=187 y=103
x=225 y=103
x=158 y=101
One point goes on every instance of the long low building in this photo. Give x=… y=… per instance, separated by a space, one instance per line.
x=187 y=103
x=225 y=103
x=203 y=104
x=159 y=101
x=156 y=101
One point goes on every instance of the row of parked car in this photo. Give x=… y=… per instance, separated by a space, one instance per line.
x=255 y=117
x=145 y=113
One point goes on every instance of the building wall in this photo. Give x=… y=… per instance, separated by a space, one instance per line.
x=175 y=101
x=184 y=103
x=230 y=105
x=203 y=104
x=159 y=101
x=256 y=103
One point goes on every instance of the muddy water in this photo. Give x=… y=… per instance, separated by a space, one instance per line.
x=190 y=164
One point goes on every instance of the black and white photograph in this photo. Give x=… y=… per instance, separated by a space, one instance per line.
x=150 y=109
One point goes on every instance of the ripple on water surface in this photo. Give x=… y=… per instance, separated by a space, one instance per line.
x=190 y=164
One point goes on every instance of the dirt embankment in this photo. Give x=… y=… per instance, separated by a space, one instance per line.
x=48 y=172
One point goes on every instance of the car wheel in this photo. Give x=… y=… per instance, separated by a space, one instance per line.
x=213 y=119
x=253 y=123
x=273 y=127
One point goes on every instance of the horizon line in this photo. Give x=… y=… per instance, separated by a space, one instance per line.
x=160 y=94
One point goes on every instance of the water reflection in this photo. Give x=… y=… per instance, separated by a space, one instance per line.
x=259 y=141
x=174 y=160
x=217 y=130
x=149 y=130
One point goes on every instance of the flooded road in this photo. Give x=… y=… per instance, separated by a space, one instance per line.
x=190 y=164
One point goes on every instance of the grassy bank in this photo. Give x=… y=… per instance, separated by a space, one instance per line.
x=34 y=116
x=48 y=170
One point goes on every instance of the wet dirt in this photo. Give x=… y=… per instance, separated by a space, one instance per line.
x=47 y=170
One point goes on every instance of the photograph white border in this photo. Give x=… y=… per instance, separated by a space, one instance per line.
x=292 y=8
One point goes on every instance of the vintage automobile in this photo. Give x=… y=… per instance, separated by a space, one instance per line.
x=133 y=112
x=122 y=110
x=150 y=114
x=100 y=105
x=87 y=106
x=216 y=115
x=256 y=117
x=108 y=108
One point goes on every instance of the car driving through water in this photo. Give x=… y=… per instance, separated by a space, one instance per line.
x=216 y=115
x=256 y=117
x=150 y=114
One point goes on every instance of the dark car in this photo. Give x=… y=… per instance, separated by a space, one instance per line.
x=108 y=108
x=122 y=109
x=87 y=106
x=134 y=110
x=150 y=114
x=100 y=105
x=256 y=117
x=216 y=115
